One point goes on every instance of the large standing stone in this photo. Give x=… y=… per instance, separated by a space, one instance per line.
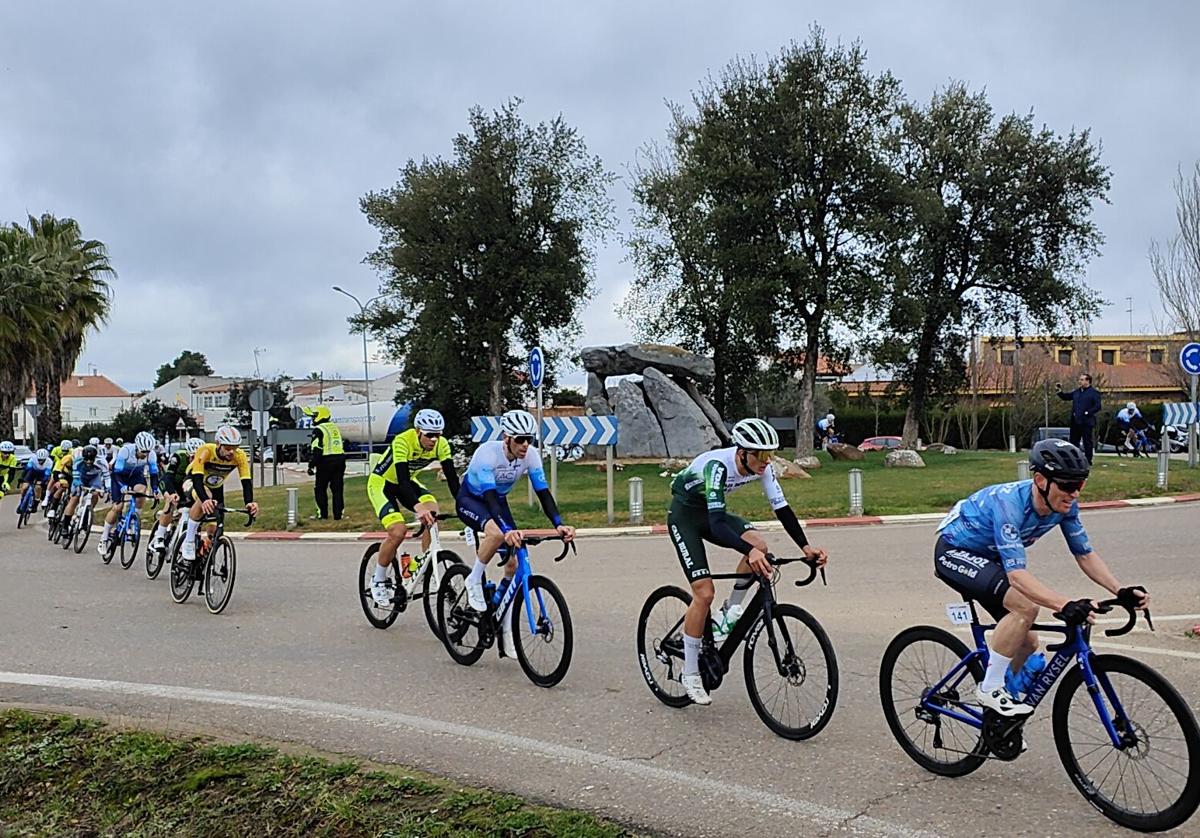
x=808 y=463
x=684 y=427
x=903 y=458
x=636 y=358
x=842 y=451
x=638 y=431
x=596 y=401
x=706 y=407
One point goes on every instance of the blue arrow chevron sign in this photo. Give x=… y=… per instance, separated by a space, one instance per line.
x=485 y=428
x=1182 y=413
x=579 y=430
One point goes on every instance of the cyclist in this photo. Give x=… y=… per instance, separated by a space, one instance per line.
x=392 y=485
x=980 y=553
x=89 y=471
x=130 y=465
x=698 y=514
x=175 y=474
x=9 y=466
x=482 y=502
x=1129 y=418
x=825 y=430
x=37 y=472
x=58 y=479
x=210 y=466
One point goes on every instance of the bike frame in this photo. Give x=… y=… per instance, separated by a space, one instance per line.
x=435 y=572
x=520 y=581
x=1075 y=645
x=27 y=496
x=126 y=519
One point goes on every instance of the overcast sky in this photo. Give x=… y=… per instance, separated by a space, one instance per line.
x=221 y=149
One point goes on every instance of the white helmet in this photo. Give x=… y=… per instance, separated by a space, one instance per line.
x=829 y=417
x=94 y=441
x=518 y=423
x=429 y=420
x=227 y=435
x=7 y=447
x=144 y=441
x=64 y=446
x=193 y=445
x=755 y=434
x=42 y=455
x=1131 y=406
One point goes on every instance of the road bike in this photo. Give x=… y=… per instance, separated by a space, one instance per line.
x=58 y=506
x=540 y=623
x=1126 y=738
x=127 y=534
x=79 y=528
x=792 y=678
x=408 y=578
x=26 y=505
x=214 y=565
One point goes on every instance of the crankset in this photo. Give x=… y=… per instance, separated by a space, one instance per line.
x=712 y=668
x=1002 y=735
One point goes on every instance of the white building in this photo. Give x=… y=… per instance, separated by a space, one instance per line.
x=84 y=399
x=182 y=390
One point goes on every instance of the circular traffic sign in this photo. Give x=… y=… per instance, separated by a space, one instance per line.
x=296 y=412
x=1189 y=358
x=261 y=399
x=537 y=367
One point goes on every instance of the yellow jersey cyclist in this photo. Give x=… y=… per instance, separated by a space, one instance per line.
x=391 y=487
x=60 y=474
x=9 y=466
x=698 y=514
x=209 y=468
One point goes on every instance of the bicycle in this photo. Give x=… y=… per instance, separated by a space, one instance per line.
x=925 y=707
x=174 y=541
x=54 y=530
x=79 y=527
x=428 y=574
x=467 y=633
x=128 y=531
x=215 y=565
x=792 y=657
x=1142 y=445
x=26 y=505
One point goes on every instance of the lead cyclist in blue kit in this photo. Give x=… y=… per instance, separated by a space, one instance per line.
x=980 y=553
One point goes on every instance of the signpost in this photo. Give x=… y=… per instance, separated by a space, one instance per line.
x=537 y=372
x=1189 y=359
x=261 y=401
x=181 y=426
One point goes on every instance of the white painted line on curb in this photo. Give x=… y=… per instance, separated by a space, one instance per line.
x=1149 y=650
x=563 y=753
x=1149 y=501
x=1158 y=618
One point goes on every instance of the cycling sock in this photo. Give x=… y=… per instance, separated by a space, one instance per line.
x=380 y=573
x=159 y=532
x=107 y=530
x=191 y=533
x=691 y=655
x=993 y=679
x=740 y=588
x=476 y=575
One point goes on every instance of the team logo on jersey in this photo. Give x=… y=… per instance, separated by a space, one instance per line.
x=1010 y=532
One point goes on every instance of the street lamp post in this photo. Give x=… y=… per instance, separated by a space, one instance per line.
x=366 y=373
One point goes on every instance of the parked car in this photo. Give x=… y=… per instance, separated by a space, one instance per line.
x=265 y=455
x=879 y=443
x=23 y=452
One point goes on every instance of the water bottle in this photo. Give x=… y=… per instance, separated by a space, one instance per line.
x=1019 y=684
x=726 y=618
x=406 y=563
x=489 y=590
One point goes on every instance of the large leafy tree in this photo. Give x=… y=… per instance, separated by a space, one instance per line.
x=187 y=363
x=27 y=298
x=483 y=255
x=995 y=229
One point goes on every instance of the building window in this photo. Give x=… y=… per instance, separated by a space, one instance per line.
x=92 y=412
x=1108 y=356
x=1064 y=357
x=1006 y=357
x=1156 y=355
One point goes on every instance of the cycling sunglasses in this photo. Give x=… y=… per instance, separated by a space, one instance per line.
x=523 y=440
x=1069 y=486
x=429 y=435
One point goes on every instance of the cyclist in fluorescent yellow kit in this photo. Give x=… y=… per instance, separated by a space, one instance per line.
x=391 y=487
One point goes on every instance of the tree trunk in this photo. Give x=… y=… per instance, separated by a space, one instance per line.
x=919 y=386
x=496 y=380
x=808 y=388
x=49 y=399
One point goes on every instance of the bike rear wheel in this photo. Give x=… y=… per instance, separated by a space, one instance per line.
x=660 y=644
x=1151 y=784
x=793 y=686
x=85 y=530
x=129 y=544
x=378 y=616
x=220 y=571
x=446 y=559
x=156 y=558
x=914 y=663
x=545 y=651
x=461 y=625
x=182 y=578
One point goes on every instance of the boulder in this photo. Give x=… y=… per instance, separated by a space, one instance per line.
x=808 y=463
x=787 y=470
x=638 y=432
x=596 y=401
x=706 y=407
x=903 y=458
x=636 y=358
x=676 y=464
x=842 y=451
x=685 y=428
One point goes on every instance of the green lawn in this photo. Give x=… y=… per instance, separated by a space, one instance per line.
x=69 y=776
x=581 y=491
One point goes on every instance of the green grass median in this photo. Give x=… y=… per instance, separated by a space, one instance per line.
x=887 y=491
x=67 y=776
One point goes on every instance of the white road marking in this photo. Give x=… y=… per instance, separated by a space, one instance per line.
x=1150 y=650
x=633 y=769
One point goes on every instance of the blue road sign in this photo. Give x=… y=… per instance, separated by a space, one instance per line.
x=1180 y=413
x=1189 y=358
x=556 y=430
x=537 y=367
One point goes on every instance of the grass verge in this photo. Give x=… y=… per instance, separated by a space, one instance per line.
x=62 y=775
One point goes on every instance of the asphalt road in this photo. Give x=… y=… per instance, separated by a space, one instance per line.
x=293 y=659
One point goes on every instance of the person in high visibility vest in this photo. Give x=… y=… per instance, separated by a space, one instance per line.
x=328 y=461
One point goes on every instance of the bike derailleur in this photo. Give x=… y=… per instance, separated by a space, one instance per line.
x=1002 y=735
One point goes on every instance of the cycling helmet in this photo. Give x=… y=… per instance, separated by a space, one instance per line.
x=65 y=446
x=1059 y=459
x=193 y=445
x=755 y=434
x=89 y=453
x=7 y=447
x=518 y=423
x=228 y=435
x=1130 y=406
x=94 y=441
x=829 y=417
x=429 y=420
x=108 y=440
x=144 y=441
x=42 y=455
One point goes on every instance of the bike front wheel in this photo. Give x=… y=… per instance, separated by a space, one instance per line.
x=461 y=626
x=914 y=663
x=129 y=544
x=791 y=672
x=84 y=532
x=543 y=650
x=219 y=573
x=182 y=579
x=379 y=616
x=446 y=559
x=660 y=644
x=1151 y=783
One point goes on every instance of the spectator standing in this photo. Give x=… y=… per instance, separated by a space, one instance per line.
x=1085 y=405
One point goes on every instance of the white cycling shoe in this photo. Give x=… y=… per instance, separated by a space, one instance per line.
x=507 y=644
x=1002 y=702
x=475 y=597
x=102 y=547
x=382 y=594
x=694 y=685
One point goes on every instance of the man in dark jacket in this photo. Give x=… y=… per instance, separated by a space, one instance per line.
x=327 y=459
x=1085 y=404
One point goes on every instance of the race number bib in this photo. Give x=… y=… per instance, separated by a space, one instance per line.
x=959 y=613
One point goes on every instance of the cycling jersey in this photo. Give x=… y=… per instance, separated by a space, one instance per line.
x=707 y=478
x=406 y=449
x=130 y=466
x=175 y=474
x=491 y=470
x=65 y=464
x=824 y=425
x=35 y=473
x=1000 y=522
x=1126 y=416
x=9 y=466
x=208 y=465
x=94 y=476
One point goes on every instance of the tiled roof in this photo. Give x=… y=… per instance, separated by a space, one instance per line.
x=91 y=387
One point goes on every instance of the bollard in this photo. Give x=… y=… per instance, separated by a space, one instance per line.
x=635 y=500
x=856 y=492
x=292 y=496
x=1164 y=465
x=1023 y=470
x=1012 y=444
